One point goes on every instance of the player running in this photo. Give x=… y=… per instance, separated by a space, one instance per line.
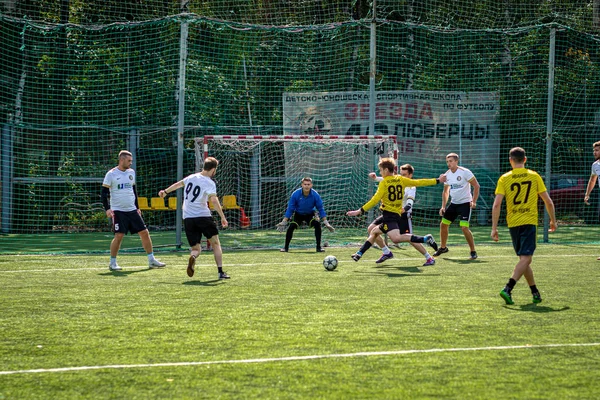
x=405 y=224
x=391 y=193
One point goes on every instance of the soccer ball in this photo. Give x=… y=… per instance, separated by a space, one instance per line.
x=330 y=263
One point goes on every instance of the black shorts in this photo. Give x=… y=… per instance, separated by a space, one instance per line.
x=454 y=210
x=298 y=219
x=391 y=221
x=524 y=239
x=128 y=221
x=196 y=227
x=403 y=224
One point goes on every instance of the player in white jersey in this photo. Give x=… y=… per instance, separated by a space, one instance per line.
x=405 y=225
x=594 y=175
x=199 y=190
x=123 y=210
x=458 y=188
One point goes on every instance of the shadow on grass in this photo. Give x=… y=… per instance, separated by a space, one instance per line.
x=405 y=269
x=214 y=282
x=465 y=261
x=536 y=308
x=123 y=273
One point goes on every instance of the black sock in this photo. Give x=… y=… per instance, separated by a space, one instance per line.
x=534 y=289
x=417 y=239
x=365 y=247
x=220 y=269
x=511 y=284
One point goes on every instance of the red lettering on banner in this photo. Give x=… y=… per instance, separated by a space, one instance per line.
x=364 y=111
x=408 y=114
x=351 y=111
x=396 y=111
x=380 y=110
x=426 y=111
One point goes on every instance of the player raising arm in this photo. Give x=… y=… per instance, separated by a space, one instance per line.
x=521 y=187
x=390 y=193
x=197 y=218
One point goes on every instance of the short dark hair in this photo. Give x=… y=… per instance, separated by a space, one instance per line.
x=408 y=167
x=210 y=163
x=517 y=154
x=387 y=163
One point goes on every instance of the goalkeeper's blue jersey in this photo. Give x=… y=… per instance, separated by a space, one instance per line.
x=305 y=204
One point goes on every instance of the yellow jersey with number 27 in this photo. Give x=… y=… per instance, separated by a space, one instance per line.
x=521 y=188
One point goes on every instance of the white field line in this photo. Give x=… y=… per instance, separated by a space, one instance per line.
x=296 y=358
x=227 y=264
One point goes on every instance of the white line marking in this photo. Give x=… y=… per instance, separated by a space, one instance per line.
x=296 y=358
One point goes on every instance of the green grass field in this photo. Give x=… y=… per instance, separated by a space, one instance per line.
x=283 y=327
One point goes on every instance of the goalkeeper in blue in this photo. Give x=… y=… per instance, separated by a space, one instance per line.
x=301 y=208
x=390 y=193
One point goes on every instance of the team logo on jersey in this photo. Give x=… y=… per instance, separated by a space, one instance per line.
x=130 y=177
x=459 y=178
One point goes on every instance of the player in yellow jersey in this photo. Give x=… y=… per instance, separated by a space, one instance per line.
x=521 y=187
x=390 y=193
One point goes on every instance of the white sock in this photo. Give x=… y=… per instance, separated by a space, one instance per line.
x=150 y=256
x=427 y=256
x=113 y=261
x=386 y=250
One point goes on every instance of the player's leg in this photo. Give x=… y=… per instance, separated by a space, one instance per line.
x=137 y=225
x=524 y=243
x=193 y=234
x=465 y=223
x=318 y=233
x=375 y=232
x=115 y=245
x=449 y=216
x=218 y=254
x=119 y=228
x=294 y=224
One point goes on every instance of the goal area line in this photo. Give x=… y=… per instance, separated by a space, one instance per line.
x=299 y=358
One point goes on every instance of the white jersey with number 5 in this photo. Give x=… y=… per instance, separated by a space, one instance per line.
x=596 y=169
x=460 y=188
x=121 y=185
x=196 y=189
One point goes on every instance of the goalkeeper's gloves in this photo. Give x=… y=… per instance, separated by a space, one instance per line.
x=407 y=208
x=328 y=226
x=316 y=216
x=281 y=227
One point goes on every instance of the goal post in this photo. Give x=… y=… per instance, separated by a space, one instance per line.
x=263 y=171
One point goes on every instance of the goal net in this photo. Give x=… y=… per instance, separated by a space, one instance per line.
x=263 y=171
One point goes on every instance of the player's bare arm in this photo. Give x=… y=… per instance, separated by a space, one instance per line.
x=496 y=207
x=445 y=196
x=163 y=193
x=476 y=189
x=550 y=208
x=590 y=187
x=217 y=206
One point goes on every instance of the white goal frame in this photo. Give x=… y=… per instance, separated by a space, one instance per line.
x=358 y=139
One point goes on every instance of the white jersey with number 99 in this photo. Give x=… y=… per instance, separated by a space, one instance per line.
x=196 y=190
